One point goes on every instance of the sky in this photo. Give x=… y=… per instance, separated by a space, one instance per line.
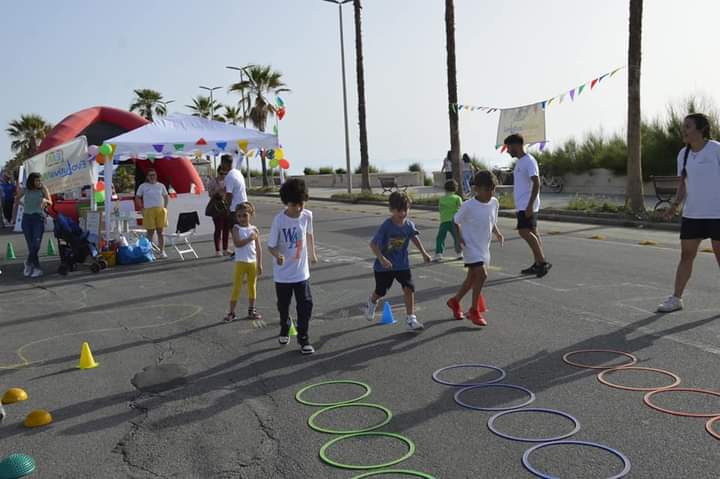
x=61 y=57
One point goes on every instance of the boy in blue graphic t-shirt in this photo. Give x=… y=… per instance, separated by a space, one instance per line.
x=390 y=246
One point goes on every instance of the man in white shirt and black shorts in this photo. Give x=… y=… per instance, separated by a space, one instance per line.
x=698 y=165
x=235 y=192
x=526 y=190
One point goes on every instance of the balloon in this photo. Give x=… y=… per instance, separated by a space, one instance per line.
x=106 y=150
x=270 y=154
x=100 y=196
x=279 y=154
x=100 y=186
x=100 y=159
x=284 y=164
x=281 y=113
x=273 y=163
x=93 y=150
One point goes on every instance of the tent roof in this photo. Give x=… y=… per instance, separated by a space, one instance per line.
x=166 y=135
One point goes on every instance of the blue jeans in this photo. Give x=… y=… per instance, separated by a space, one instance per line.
x=33 y=227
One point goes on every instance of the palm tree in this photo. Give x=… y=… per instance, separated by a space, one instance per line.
x=634 y=186
x=202 y=106
x=232 y=115
x=452 y=89
x=26 y=134
x=262 y=82
x=148 y=101
x=360 y=68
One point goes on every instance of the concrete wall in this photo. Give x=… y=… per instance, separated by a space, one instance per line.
x=599 y=181
x=340 y=181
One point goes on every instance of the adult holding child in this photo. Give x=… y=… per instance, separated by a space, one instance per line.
x=698 y=166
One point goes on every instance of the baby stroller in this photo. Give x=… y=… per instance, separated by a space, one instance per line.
x=75 y=248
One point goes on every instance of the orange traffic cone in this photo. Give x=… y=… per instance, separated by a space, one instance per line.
x=86 y=358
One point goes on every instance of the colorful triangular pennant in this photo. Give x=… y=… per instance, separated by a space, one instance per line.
x=159 y=148
x=201 y=142
x=572 y=94
x=222 y=145
x=593 y=83
x=580 y=89
x=179 y=146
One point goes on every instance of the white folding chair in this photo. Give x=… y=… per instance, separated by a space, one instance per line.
x=181 y=240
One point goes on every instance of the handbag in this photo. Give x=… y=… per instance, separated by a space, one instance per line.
x=216 y=207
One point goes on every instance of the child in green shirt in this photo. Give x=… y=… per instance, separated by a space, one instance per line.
x=448 y=206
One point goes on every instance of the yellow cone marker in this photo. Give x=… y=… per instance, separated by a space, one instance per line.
x=38 y=418
x=86 y=358
x=648 y=242
x=14 y=395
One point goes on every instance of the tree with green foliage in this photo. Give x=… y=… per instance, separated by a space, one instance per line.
x=26 y=134
x=147 y=102
x=206 y=108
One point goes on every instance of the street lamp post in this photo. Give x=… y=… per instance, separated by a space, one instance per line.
x=340 y=3
x=212 y=102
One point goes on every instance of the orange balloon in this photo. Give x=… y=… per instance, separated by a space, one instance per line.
x=100 y=186
x=100 y=158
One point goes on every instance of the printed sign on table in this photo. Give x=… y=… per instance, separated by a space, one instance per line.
x=64 y=167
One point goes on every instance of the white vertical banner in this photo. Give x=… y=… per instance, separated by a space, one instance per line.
x=528 y=120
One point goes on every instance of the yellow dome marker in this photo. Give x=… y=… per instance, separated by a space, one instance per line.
x=707 y=250
x=37 y=418
x=598 y=237
x=14 y=395
x=647 y=242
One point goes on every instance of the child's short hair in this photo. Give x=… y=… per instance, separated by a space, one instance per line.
x=451 y=185
x=485 y=179
x=399 y=201
x=294 y=190
x=246 y=206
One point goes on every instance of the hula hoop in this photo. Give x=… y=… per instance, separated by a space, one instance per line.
x=647 y=402
x=507 y=386
x=601 y=378
x=311 y=420
x=298 y=395
x=633 y=359
x=709 y=427
x=436 y=374
x=402 y=472
x=327 y=460
x=538 y=473
x=491 y=425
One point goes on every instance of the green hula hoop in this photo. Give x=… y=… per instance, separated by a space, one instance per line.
x=408 y=442
x=402 y=472
x=298 y=395
x=311 y=420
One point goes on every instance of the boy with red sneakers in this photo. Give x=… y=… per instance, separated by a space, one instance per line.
x=476 y=224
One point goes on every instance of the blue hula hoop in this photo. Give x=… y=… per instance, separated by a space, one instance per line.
x=491 y=425
x=538 y=473
x=531 y=397
x=437 y=379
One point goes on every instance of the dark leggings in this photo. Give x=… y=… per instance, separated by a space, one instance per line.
x=222 y=228
x=303 y=301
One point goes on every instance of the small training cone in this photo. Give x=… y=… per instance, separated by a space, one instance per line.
x=51 y=248
x=292 y=331
x=10 y=251
x=14 y=395
x=37 y=418
x=481 y=306
x=387 y=317
x=86 y=358
x=16 y=465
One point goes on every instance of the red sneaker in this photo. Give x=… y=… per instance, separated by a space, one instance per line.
x=454 y=304
x=481 y=306
x=476 y=317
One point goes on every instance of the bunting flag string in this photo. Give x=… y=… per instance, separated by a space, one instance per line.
x=572 y=93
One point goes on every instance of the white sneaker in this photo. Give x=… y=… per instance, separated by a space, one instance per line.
x=438 y=257
x=36 y=273
x=413 y=323
x=163 y=255
x=28 y=269
x=370 y=310
x=460 y=255
x=672 y=303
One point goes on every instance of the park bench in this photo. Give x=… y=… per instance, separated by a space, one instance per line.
x=665 y=188
x=389 y=183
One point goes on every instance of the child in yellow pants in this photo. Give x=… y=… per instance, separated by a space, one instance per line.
x=248 y=260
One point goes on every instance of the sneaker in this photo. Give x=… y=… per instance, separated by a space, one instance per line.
x=413 y=323
x=454 y=304
x=542 y=269
x=477 y=318
x=672 y=303
x=531 y=270
x=283 y=339
x=370 y=310
x=438 y=257
x=218 y=253
x=28 y=269
x=163 y=255
x=460 y=256
x=36 y=273
x=305 y=346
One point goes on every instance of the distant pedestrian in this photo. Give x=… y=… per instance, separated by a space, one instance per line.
x=248 y=260
x=36 y=199
x=698 y=166
x=219 y=212
x=447 y=166
x=526 y=191
x=7 y=198
x=467 y=174
x=448 y=205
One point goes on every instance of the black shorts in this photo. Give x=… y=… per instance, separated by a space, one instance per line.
x=384 y=279
x=700 y=228
x=474 y=265
x=524 y=223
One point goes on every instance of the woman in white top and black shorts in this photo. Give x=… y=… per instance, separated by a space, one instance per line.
x=698 y=165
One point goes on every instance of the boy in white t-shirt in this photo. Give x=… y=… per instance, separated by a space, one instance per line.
x=476 y=224
x=248 y=260
x=291 y=242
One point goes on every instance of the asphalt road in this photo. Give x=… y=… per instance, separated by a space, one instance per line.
x=232 y=412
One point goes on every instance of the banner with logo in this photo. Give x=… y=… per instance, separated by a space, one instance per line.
x=64 y=167
x=527 y=120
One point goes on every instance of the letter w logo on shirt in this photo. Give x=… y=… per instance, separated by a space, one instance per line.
x=291 y=237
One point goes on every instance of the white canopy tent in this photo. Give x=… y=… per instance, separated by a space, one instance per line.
x=181 y=135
